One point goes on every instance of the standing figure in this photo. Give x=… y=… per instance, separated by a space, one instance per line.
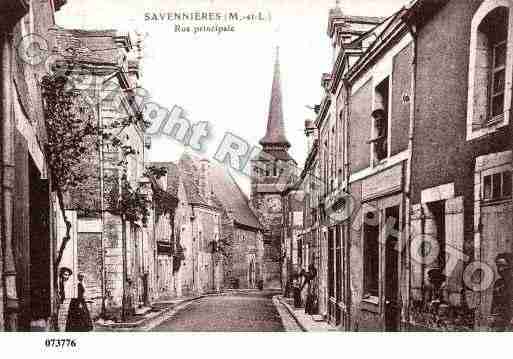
x=502 y=306
x=79 y=319
x=310 y=293
x=64 y=274
x=296 y=288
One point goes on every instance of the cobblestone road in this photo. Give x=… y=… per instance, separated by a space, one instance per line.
x=233 y=312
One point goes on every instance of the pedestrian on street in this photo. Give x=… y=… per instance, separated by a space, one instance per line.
x=296 y=287
x=502 y=306
x=79 y=319
x=310 y=295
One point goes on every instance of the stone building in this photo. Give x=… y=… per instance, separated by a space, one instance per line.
x=214 y=228
x=200 y=229
x=271 y=172
x=167 y=193
x=230 y=250
x=104 y=68
x=461 y=152
x=407 y=158
x=28 y=288
x=242 y=244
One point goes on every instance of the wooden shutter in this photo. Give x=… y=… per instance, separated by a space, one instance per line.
x=415 y=265
x=481 y=83
x=454 y=237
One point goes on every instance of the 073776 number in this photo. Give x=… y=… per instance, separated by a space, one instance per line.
x=60 y=343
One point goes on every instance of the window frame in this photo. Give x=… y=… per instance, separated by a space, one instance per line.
x=499 y=170
x=491 y=124
x=384 y=75
x=371 y=264
x=493 y=73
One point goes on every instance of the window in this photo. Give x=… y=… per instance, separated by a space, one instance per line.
x=497 y=186
x=490 y=70
x=371 y=255
x=493 y=35
x=379 y=141
x=434 y=226
x=498 y=78
x=338 y=264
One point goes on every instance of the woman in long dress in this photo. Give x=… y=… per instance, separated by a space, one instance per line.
x=79 y=319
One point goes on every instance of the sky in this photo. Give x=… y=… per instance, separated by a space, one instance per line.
x=225 y=79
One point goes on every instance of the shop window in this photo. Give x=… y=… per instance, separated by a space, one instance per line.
x=379 y=141
x=371 y=256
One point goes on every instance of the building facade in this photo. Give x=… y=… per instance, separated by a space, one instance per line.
x=407 y=160
x=113 y=253
x=28 y=290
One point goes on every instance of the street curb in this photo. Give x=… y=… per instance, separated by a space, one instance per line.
x=291 y=312
x=151 y=322
x=168 y=314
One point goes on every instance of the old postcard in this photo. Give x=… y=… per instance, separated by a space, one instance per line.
x=255 y=166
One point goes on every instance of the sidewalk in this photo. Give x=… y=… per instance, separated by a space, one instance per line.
x=160 y=312
x=306 y=322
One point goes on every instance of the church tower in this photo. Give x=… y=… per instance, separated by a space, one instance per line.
x=271 y=172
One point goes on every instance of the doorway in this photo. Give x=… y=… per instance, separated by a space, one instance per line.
x=392 y=305
x=251 y=274
x=39 y=237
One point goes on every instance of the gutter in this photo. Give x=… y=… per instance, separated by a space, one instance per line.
x=347 y=168
x=408 y=180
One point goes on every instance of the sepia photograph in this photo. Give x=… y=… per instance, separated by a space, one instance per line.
x=255 y=166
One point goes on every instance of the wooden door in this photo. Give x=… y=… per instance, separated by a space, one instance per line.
x=496 y=238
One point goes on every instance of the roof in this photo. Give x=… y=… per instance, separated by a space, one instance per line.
x=226 y=192
x=190 y=172
x=275 y=154
x=376 y=20
x=86 y=46
x=232 y=198
x=420 y=11
x=275 y=132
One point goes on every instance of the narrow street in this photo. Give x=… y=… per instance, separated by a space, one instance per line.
x=233 y=312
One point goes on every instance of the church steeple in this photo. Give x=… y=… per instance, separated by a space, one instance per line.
x=275 y=134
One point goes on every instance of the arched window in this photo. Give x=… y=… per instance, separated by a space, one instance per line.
x=490 y=68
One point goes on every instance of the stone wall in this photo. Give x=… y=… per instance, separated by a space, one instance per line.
x=90 y=263
x=269 y=210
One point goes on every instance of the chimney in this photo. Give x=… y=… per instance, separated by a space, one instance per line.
x=204 y=181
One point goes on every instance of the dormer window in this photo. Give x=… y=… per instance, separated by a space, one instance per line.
x=490 y=71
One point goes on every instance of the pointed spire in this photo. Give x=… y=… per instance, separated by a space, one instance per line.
x=336 y=11
x=275 y=134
